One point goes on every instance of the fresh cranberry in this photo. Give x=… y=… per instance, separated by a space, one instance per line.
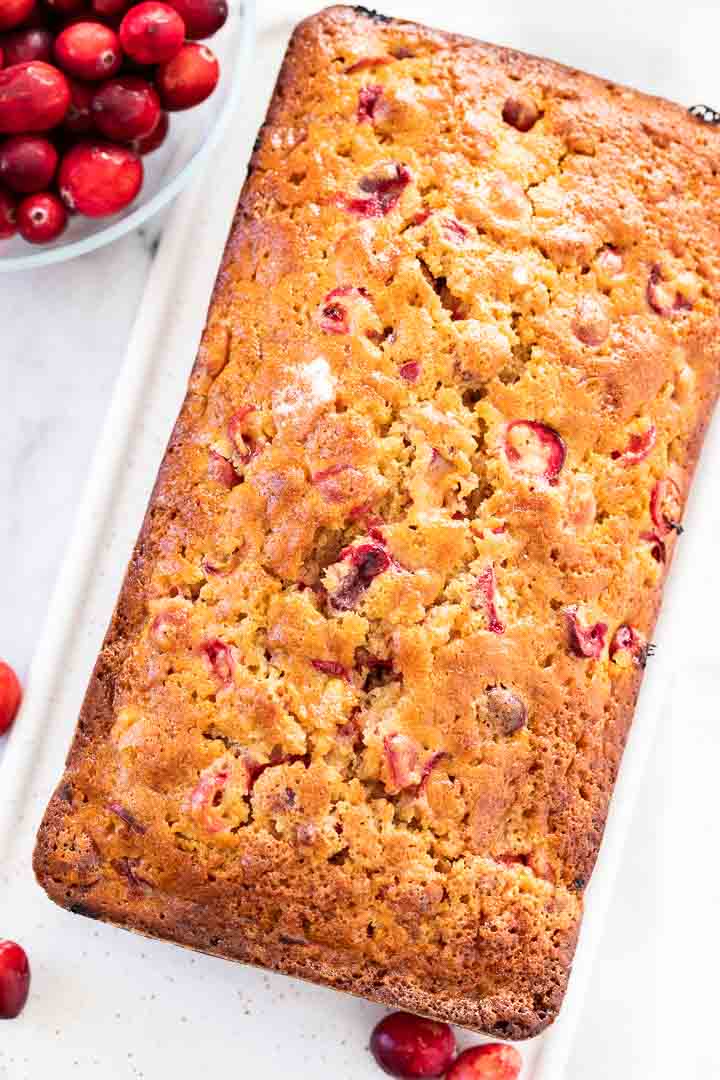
x=8 y=215
x=208 y=793
x=98 y=179
x=88 y=50
x=41 y=218
x=79 y=119
x=638 y=447
x=202 y=18
x=33 y=43
x=14 y=12
x=368 y=100
x=152 y=33
x=486 y=588
x=368 y=561
x=493 y=1061
x=430 y=764
x=381 y=189
x=146 y=144
x=401 y=754
x=110 y=7
x=66 y=7
x=534 y=449
x=585 y=641
x=666 y=506
x=126 y=108
x=10 y=692
x=368 y=62
x=520 y=111
x=629 y=640
x=332 y=667
x=189 y=78
x=662 y=297
x=27 y=163
x=33 y=97
x=14 y=980
x=220 y=659
x=412 y=1047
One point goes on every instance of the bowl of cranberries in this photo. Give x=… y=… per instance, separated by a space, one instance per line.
x=107 y=108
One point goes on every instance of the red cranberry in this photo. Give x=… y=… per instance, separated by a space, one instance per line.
x=208 y=794
x=219 y=657
x=10 y=692
x=88 y=50
x=27 y=163
x=337 y=308
x=110 y=7
x=189 y=78
x=79 y=119
x=34 y=43
x=333 y=668
x=152 y=33
x=66 y=7
x=202 y=18
x=638 y=447
x=486 y=587
x=98 y=179
x=146 y=144
x=585 y=641
x=662 y=297
x=33 y=97
x=14 y=980
x=410 y=371
x=381 y=189
x=14 y=12
x=401 y=754
x=222 y=471
x=368 y=100
x=41 y=218
x=8 y=216
x=126 y=108
x=666 y=506
x=534 y=449
x=493 y=1061
x=520 y=112
x=628 y=639
x=412 y=1047
x=657 y=546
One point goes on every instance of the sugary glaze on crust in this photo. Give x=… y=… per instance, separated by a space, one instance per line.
x=362 y=703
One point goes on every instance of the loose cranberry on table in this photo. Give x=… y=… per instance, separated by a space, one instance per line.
x=8 y=215
x=126 y=108
x=14 y=12
x=14 y=980
x=493 y=1061
x=27 y=163
x=189 y=78
x=10 y=692
x=152 y=33
x=98 y=179
x=33 y=97
x=202 y=18
x=411 y=1047
x=88 y=50
x=31 y=43
x=41 y=218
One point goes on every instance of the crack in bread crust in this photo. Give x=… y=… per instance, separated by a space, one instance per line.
x=363 y=699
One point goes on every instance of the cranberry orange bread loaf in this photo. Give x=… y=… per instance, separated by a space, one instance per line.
x=363 y=700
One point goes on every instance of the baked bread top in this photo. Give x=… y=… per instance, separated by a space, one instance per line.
x=362 y=703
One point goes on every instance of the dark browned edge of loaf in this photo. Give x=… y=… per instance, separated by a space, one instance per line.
x=507 y=1015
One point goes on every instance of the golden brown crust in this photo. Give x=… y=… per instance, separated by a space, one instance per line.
x=361 y=706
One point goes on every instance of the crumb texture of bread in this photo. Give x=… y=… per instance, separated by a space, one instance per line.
x=361 y=707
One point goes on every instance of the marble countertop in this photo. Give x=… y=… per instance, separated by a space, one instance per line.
x=64 y=332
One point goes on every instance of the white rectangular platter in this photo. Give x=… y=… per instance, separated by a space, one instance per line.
x=105 y=1003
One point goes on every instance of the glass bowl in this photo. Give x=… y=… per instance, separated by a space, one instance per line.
x=193 y=135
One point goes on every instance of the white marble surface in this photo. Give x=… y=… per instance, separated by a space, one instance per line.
x=650 y=1010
